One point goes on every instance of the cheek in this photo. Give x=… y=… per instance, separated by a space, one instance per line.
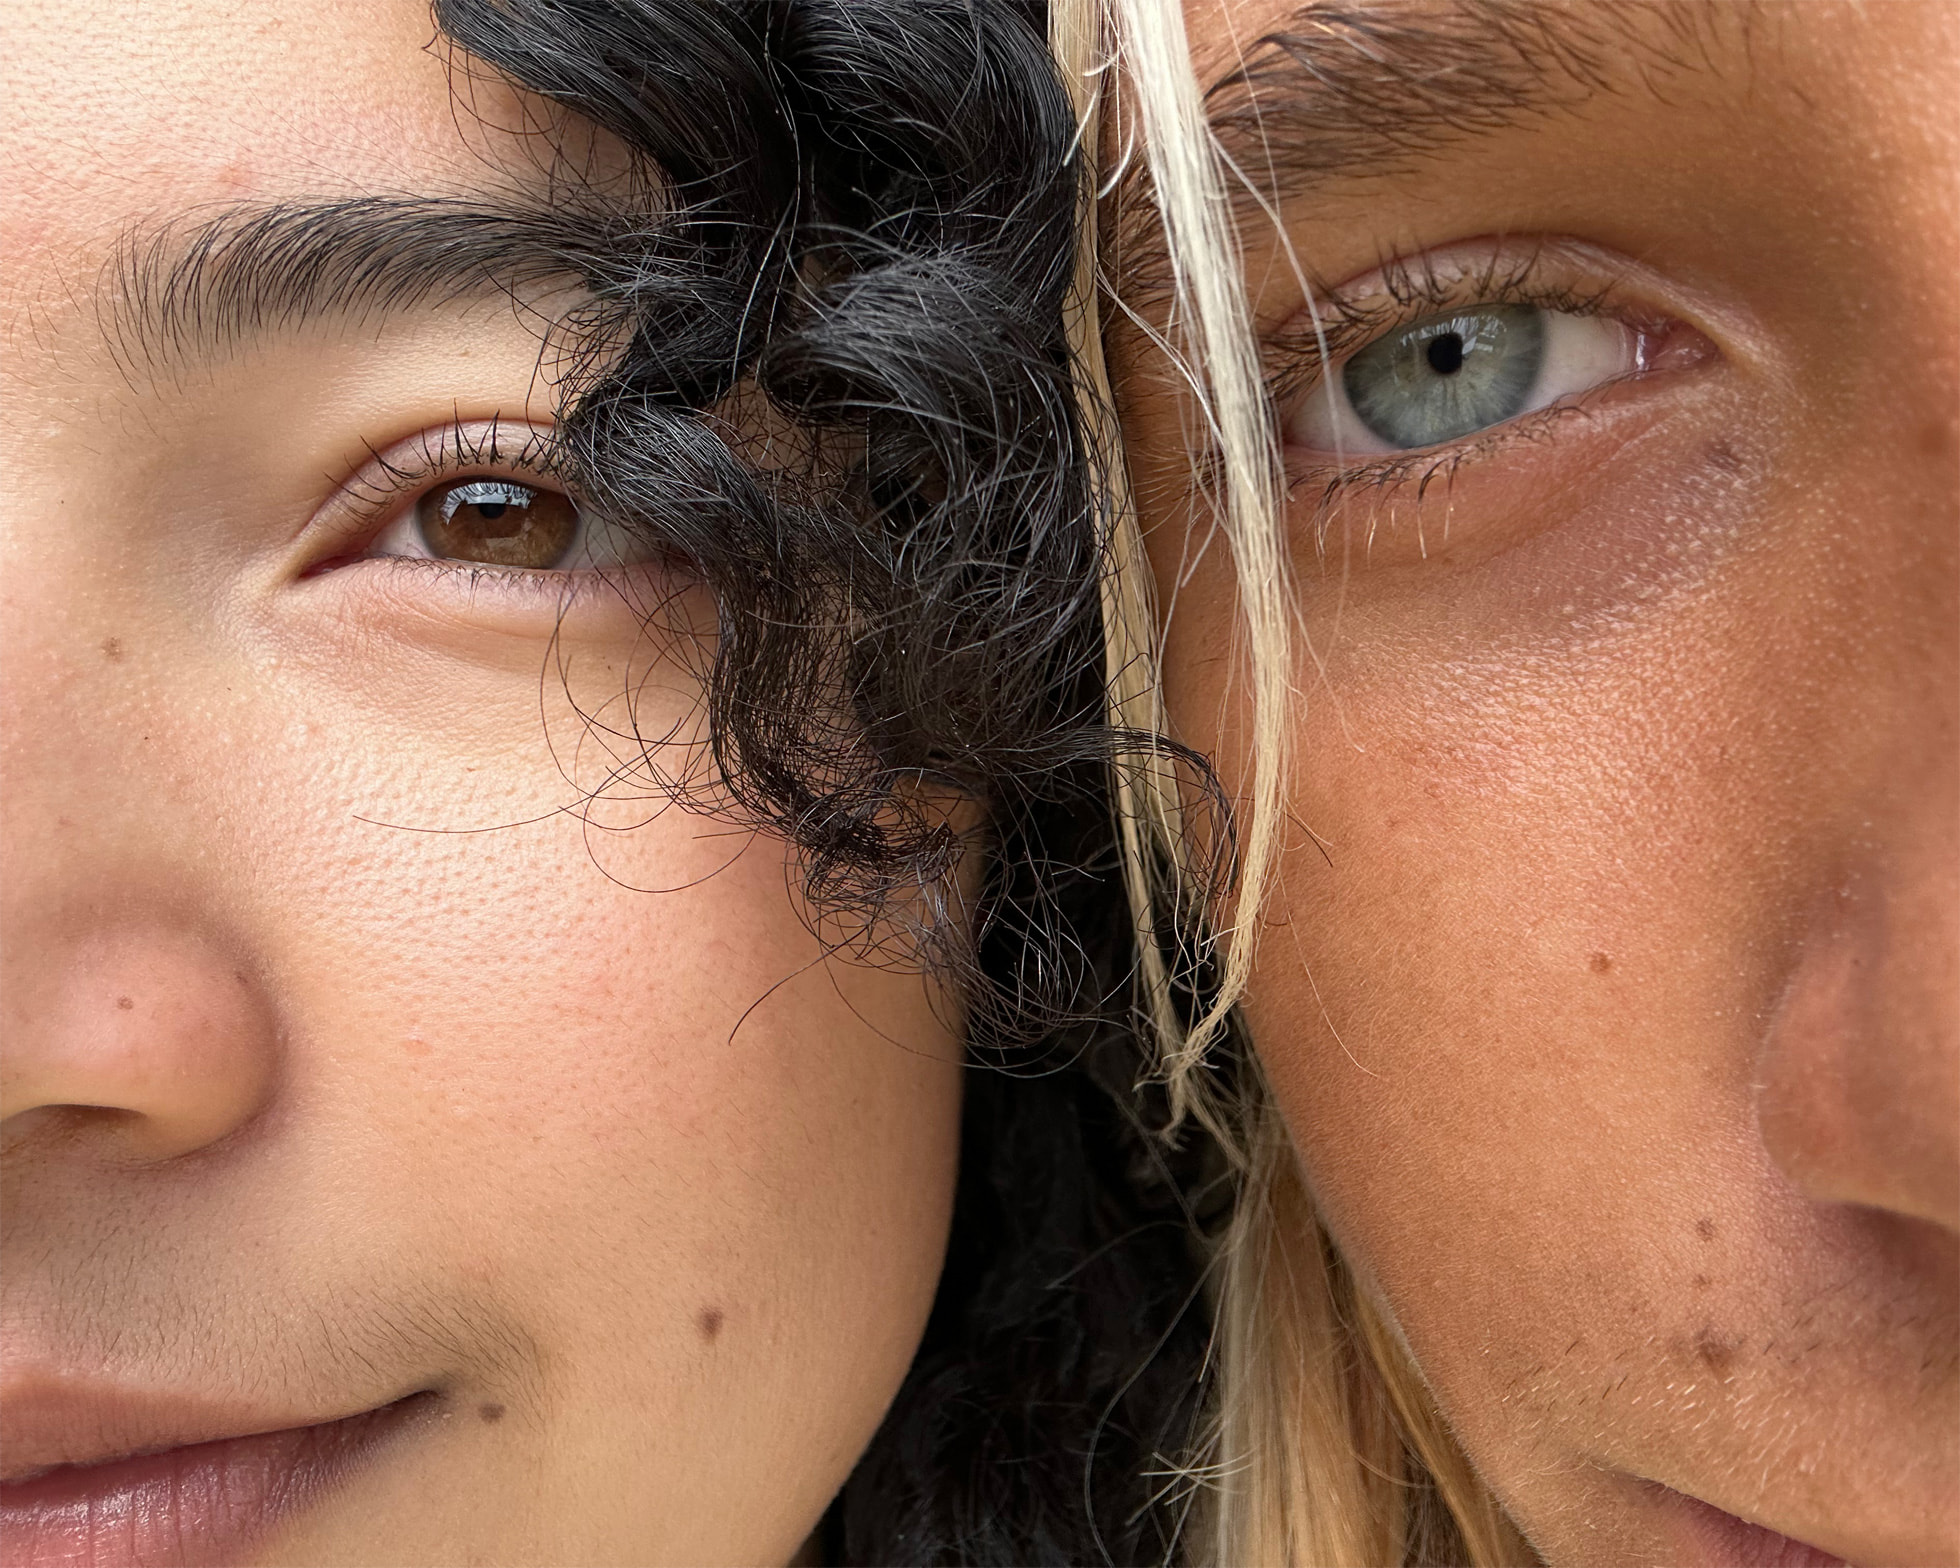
x=601 y=1083
x=665 y=1081
x=1567 y=808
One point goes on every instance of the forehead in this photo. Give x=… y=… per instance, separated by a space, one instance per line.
x=114 y=122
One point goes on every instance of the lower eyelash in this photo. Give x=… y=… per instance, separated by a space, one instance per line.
x=563 y=588
x=1391 y=475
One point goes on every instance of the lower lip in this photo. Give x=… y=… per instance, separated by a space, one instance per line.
x=202 y=1505
x=1735 y=1543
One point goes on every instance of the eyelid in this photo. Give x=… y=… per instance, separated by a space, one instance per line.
x=369 y=500
x=1560 y=275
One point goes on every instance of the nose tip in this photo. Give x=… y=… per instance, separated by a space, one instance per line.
x=1859 y=1090
x=156 y=1027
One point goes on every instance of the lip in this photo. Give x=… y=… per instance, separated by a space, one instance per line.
x=100 y=1478
x=1716 y=1536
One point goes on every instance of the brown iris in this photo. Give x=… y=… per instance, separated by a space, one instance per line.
x=498 y=522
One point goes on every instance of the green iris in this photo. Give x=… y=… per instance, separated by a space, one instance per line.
x=1449 y=376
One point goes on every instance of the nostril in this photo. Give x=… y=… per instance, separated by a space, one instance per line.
x=50 y=1126
x=148 y=1038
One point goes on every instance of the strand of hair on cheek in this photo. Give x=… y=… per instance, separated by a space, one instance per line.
x=1149 y=815
x=1187 y=174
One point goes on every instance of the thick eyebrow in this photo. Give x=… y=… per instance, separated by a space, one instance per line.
x=200 y=289
x=1365 y=88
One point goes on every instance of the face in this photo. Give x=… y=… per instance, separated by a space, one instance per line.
x=1608 y=988
x=440 y=1147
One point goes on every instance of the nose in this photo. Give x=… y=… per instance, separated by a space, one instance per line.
x=1859 y=1087
x=135 y=1021
x=145 y=1035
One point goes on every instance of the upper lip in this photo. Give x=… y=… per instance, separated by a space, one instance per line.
x=51 y=1419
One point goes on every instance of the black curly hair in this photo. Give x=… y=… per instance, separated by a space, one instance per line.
x=847 y=231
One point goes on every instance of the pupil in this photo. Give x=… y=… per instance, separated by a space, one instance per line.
x=1445 y=353
x=492 y=510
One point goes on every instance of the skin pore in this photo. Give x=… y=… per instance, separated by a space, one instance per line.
x=318 y=1095
x=1608 y=985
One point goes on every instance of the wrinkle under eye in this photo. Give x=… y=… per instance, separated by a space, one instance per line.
x=498 y=522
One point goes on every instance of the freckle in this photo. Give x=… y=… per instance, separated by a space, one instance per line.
x=1599 y=963
x=490 y=1413
x=1701 y=1282
x=124 y=1004
x=112 y=648
x=1705 y=1228
x=708 y=1320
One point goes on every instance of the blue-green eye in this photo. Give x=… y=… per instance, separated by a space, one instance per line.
x=1449 y=376
x=1454 y=374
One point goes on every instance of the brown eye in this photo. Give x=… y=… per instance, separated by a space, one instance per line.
x=498 y=522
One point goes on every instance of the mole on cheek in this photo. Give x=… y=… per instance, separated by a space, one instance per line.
x=1599 y=963
x=708 y=1320
x=1713 y=1352
x=1705 y=1228
x=491 y=1414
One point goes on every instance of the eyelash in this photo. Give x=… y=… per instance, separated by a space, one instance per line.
x=1414 y=288
x=452 y=453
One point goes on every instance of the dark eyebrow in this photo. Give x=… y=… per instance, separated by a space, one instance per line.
x=201 y=289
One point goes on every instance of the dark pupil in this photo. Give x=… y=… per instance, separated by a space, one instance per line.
x=1445 y=353
x=490 y=511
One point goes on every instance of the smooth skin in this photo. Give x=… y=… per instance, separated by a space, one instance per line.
x=1609 y=986
x=316 y=1093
